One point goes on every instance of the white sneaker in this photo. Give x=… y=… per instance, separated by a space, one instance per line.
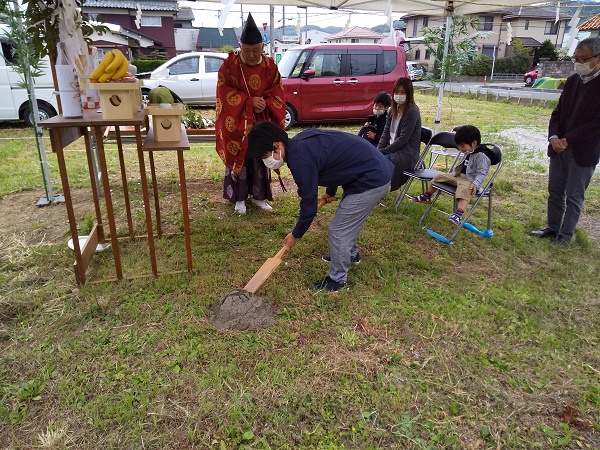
x=240 y=207
x=262 y=204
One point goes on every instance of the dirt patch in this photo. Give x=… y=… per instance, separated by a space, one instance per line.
x=531 y=145
x=241 y=310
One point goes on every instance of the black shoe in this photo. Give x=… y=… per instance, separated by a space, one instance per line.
x=545 y=233
x=354 y=259
x=327 y=284
x=561 y=240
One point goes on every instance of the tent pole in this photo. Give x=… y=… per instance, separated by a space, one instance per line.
x=438 y=114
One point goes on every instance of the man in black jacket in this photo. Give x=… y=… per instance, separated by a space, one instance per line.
x=574 y=144
x=327 y=158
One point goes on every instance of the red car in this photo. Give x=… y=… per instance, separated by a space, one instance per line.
x=530 y=77
x=337 y=82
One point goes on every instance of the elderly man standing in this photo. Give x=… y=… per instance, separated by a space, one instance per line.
x=574 y=144
x=249 y=91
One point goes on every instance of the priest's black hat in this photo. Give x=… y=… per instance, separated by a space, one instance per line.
x=251 y=34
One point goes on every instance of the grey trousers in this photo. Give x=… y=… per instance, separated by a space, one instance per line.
x=349 y=219
x=567 y=183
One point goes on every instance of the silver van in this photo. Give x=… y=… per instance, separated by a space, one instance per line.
x=14 y=101
x=415 y=70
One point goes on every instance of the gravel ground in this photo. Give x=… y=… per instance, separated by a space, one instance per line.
x=530 y=144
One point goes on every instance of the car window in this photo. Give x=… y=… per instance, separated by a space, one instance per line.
x=299 y=64
x=363 y=63
x=185 y=66
x=8 y=52
x=326 y=63
x=389 y=61
x=288 y=62
x=212 y=64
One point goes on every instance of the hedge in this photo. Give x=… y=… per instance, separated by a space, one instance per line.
x=147 y=65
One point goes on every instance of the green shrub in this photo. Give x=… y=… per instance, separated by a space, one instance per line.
x=479 y=66
x=147 y=65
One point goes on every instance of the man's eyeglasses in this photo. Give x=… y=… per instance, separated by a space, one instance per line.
x=584 y=60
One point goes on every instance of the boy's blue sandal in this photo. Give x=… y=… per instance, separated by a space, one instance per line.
x=422 y=198
x=455 y=218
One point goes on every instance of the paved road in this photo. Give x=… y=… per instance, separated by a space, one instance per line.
x=501 y=89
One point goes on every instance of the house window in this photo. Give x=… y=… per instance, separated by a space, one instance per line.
x=485 y=23
x=415 y=27
x=488 y=50
x=425 y=21
x=427 y=54
x=151 y=21
x=418 y=54
x=527 y=24
x=354 y=40
x=551 y=27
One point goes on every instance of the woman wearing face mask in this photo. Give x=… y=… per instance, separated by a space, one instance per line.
x=401 y=138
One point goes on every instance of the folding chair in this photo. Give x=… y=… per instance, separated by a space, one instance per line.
x=486 y=190
x=439 y=143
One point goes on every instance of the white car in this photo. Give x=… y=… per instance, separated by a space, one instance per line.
x=192 y=76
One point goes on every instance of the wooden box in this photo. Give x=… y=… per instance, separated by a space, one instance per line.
x=118 y=100
x=166 y=122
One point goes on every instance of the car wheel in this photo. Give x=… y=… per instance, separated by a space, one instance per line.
x=44 y=112
x=528 y=80
x=290 y=117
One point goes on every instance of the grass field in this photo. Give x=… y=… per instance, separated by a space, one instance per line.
x=486 y=344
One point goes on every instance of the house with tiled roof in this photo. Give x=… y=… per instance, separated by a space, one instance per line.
x=204 y=39
x=531 y=25
x=156 y=22
x=356 y=35
x=184 y=18
x=592 y=25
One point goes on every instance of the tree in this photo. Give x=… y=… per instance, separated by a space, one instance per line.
x=547 y=50
x=29 y=66
x=461 y=47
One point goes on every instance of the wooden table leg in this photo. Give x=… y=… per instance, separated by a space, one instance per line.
x=114 y=239
x=94 y=183
x=144 y=183
x=184 y=210
x=124 y=181
x=78 y=267
x=155 y=193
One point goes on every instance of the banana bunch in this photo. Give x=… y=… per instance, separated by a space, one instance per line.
x=112 y=67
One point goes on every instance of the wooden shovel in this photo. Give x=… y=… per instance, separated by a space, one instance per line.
x=270 y=265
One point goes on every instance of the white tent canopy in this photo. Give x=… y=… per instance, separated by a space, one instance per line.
x=427 y=7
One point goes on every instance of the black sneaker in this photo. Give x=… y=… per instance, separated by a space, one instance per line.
x=354 y=259
x=327 y=284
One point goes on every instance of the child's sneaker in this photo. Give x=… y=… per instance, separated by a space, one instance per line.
x=422 y=198
x=455 y=218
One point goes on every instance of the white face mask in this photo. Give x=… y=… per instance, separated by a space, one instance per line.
x=378 y=112
x=273 y=163
x=584 y=69
x=400 y=99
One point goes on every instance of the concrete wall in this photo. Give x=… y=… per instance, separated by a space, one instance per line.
x=556 y=69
